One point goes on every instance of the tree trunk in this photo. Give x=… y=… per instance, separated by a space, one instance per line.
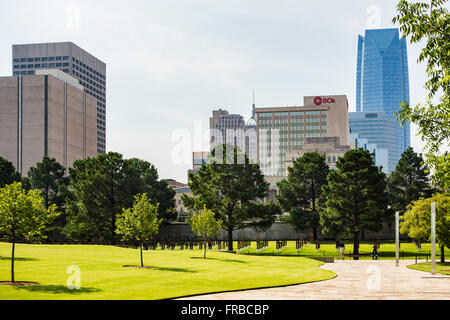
x=12 y=258
x=442 y=254
x=142 y=258
x=206 y=243
x=356 y=242
x=315 y=233
x=230 y=240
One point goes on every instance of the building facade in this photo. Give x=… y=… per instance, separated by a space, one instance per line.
x=46 y=115
x=382 y=83
x=71 y=59
x=283 y=129
x=329 y=147
x=226 y=128
x=380 y=131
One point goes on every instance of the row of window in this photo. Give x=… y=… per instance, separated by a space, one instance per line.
x=39 y=65
x=39 y=59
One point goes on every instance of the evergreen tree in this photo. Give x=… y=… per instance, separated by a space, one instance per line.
x=49 y=177
x=301 y=193
x=101 y=187
x=409 y=182
x=356 y=197
x=232 y=187
x=8 y=173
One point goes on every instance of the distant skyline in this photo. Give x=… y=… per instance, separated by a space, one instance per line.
x=171 y=63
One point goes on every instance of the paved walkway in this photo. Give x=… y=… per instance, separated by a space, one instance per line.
x=356 y=280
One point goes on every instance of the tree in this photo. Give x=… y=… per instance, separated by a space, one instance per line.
x=430 y=23
x=22 y=215
x=204 y=224
x=233 y=188
x=416 y=222
x=409 y=181
x=140 y=222
x=102 y=186
x=49 y=177
x=8 y=173
x=356 y=197
x=300 y=194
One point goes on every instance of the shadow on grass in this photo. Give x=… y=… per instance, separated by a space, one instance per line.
x=176 y=270
x=222 y=260
x=56 y=289
x=17 y=259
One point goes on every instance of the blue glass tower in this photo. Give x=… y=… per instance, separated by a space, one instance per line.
x=383 y=81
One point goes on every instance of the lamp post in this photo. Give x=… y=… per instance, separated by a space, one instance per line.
x=397 y=239
x=433 y=238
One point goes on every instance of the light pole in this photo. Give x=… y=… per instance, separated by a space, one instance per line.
x=433 y=238
x=397 y=239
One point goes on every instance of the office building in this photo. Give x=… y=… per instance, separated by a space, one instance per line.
x=382 y=83
x=226 y=128
x=330 y=147
x=283 y=129
x=48 y=114
x=381 y=156
x=380 y=130
x=71 y=59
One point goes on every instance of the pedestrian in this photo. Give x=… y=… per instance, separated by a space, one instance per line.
x=375 y=251
x=342 y=248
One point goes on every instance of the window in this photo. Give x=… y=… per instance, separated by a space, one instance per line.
x=65 y=58
x=66 y=70
x=16 y=67
x=30 y=72
x=51 y=65
x=30 y=66
x=51 y=59
x=30 y=60
x=23 y=73
x=24 y=66
x=58 y=58
x=44 y=65
x=65 y=64
x=59 y=64
x=16 y=73
x=37 y=65
x=37 y=59
x=23 y=60
x=45 y=59
x=16 y=60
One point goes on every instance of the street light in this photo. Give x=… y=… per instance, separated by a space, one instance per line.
x=433 y=238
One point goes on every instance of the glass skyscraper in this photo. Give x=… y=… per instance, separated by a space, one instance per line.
x=382 y=85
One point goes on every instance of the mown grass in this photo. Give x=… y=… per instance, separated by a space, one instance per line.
x=408 y=250
x=441 y=268
x=175 y=273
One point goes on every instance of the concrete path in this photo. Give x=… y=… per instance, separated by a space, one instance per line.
x=356 y=280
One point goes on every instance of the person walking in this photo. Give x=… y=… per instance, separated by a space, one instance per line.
x=342 y=249
x=375 y=251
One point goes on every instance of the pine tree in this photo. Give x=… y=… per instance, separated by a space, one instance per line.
x=409 y=182
x=301 y=193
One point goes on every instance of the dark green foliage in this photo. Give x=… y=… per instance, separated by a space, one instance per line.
x=409 y=182
x=356 y=197
x=101 y=187
x=231 y=187
x=429 y=24
x=301 y=193
x=8 y=173
x=49 y=177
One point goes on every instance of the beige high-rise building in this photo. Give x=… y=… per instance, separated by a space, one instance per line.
x=48 y=114
x=283 y=129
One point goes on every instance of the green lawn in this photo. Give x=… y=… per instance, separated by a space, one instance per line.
x=442 y=268
x=176 y=274
x=408 y=250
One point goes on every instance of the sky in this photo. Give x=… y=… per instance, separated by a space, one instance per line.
x=171 y=63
